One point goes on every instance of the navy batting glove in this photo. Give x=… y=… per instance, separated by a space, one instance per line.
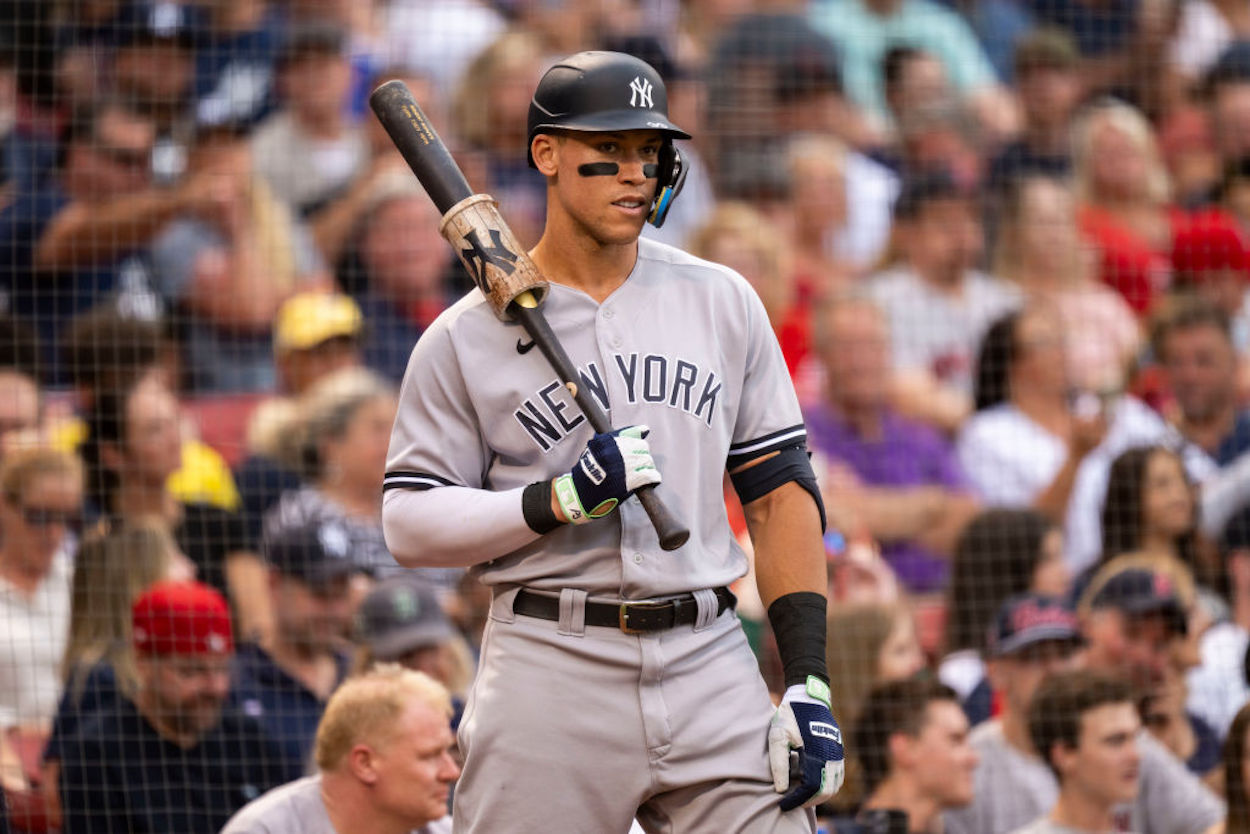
x=804 y=724
x=614 y=465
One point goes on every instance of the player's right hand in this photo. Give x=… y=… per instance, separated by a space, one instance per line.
x=804 y=724
x=614 y=465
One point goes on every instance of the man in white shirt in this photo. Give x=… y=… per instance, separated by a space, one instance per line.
x=384 y=754
x=937 y=304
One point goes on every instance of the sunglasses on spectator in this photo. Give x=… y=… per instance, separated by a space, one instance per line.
x=48 y=516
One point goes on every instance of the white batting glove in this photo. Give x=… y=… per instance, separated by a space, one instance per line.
x=804 y=724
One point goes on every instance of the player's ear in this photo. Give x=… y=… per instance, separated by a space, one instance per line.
x=546 y=152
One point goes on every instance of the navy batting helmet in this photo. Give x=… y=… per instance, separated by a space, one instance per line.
x=609 y=91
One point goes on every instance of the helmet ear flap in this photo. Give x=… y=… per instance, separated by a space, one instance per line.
x=670 y=177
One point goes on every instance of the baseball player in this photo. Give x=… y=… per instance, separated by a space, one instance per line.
x=615 y=681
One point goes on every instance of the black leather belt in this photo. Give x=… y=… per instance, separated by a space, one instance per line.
x=629 y=617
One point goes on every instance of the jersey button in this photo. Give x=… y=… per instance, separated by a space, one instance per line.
x=607 y=314
x=637 y=558
x=616 y=341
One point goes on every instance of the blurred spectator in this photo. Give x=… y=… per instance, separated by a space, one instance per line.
x=741 y=238
x=346 y=424
x=937 y=304
x=132 y=447
x=1237 y=775
x=1204 y=32
x=1123 y=45
x=229 y=269
x=397 y=267
x=1211 y=259
x=1001 y=554
x=77 y=240
x=104 y=350
x=912 y=739
x=111 y=569
x=400 y=621
x=1085 y=726
x=1033 y=636
x=816 y=215
x=1048 y=82
x=895 y=478
x=1040 y=249
x=362 y=23
x=235 y=52
x=1226 y=91
x=384 y=764
x=153 y=69
x=867 y=644
x=490 y=112
x=315 y=335
x=40 y=503
x=173 y=759
x=1149 y=508
x=911 y=78
x=1218 y=686
x=1122 y=193
x=284 y=680
x=1031 y=443
x=438 y=38
x=864 y=31
x=309 y=151
x=1192 y=342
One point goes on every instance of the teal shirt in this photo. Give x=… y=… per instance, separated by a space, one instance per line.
x=863 y=38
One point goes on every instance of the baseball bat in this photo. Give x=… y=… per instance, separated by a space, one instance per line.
x=500 y=266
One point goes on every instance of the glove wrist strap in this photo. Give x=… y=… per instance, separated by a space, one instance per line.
x=570 y=504
x=798 y=621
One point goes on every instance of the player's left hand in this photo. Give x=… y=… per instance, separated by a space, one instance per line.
x=804 y=724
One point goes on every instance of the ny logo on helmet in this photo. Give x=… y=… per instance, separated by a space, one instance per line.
x=640 y=93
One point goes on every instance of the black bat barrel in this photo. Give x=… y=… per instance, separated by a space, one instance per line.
x=419 y=144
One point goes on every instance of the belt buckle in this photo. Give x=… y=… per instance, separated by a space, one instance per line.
x=626 y=608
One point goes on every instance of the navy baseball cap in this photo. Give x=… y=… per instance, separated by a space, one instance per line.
x=314 y=552
x=150 y=22
x=401 y=615
x=1029 y=619
x=1140 y=592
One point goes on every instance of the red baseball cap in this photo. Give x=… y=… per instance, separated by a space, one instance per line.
x=1209 y=242
x=181 y=618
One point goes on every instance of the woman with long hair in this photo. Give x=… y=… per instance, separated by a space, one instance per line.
x=1122 y=191
x=1039 y=248
x=866 y=644
x=112 y=567
x=1150 y=507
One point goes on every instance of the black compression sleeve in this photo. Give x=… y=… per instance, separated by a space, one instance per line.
x=536 y=507
x=798 y=622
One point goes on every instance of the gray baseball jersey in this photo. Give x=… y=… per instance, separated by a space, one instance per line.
x=683 y=346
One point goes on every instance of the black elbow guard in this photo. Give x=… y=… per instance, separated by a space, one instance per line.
x=790 y=464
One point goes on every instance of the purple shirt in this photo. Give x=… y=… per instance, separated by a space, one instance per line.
x=907 y=454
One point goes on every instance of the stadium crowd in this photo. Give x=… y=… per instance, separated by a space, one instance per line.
x=1005 y=248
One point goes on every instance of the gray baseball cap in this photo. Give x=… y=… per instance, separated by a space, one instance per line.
x=401 y=615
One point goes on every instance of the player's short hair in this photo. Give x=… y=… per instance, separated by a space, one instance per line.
x=364 y=709
x=891 y=708
x=1062 y=699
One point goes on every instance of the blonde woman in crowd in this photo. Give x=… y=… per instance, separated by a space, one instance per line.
x=41 y=494
x=867 y=644
x=1122 y=192
x=1040 y=249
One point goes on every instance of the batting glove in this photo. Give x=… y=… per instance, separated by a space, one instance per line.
x=803 y=724
x=613 y=466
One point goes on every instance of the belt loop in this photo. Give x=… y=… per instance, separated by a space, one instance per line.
x=572 y=612
x=709 y=607
x=501 y=605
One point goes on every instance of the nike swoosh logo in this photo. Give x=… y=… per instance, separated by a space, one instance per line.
x=524 y=347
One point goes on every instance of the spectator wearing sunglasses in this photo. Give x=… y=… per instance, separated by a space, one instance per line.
x=41 y=494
